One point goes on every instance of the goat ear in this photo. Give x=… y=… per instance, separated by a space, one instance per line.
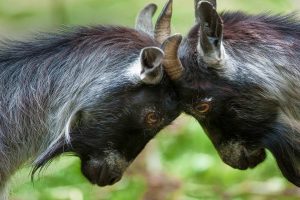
x=151 y=61
x=196 y=2
x=144 y=19
x=210 y=34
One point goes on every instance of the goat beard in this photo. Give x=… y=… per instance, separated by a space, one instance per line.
x=284 y=144
x=80 y=146
x=46 y=158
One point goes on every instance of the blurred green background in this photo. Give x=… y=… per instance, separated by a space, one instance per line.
x=181 y=163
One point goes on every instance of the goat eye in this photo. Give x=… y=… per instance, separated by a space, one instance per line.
x=202 y=107
x=152 y=118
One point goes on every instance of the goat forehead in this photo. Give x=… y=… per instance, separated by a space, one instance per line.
x=153 y=95
x=200 y=88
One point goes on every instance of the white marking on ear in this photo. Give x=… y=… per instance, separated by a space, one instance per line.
x=148 y=67
x=213 y=59
x=151 y=63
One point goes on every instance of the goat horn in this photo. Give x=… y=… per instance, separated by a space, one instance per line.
x=163 y=24
x=171 y=62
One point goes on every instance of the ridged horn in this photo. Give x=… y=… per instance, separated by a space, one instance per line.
x=171 y=62
x=163 y=25
x=144 y=19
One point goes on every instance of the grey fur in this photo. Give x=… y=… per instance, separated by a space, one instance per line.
x=278 y=82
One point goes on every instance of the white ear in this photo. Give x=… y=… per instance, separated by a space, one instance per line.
x=151 y=65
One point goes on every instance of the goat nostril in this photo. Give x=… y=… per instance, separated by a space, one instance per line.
x=113 y=180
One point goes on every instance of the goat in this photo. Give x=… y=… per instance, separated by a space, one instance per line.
x=99 y=93
x=240 y=79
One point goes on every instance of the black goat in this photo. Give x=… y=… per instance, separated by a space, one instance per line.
x=241 y=82
x=99 y=93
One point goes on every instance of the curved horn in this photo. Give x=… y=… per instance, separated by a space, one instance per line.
x=144 y=19
x=171 y=62
x=163 y=25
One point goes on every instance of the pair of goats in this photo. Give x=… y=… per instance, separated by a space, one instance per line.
x=103 y=92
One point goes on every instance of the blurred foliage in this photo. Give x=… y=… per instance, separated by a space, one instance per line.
x=181 y=163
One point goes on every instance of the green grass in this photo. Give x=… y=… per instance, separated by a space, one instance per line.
x=180 y=163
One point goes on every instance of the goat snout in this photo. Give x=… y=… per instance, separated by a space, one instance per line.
x=98 y=172
x=238 y=156
x=106 y=170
